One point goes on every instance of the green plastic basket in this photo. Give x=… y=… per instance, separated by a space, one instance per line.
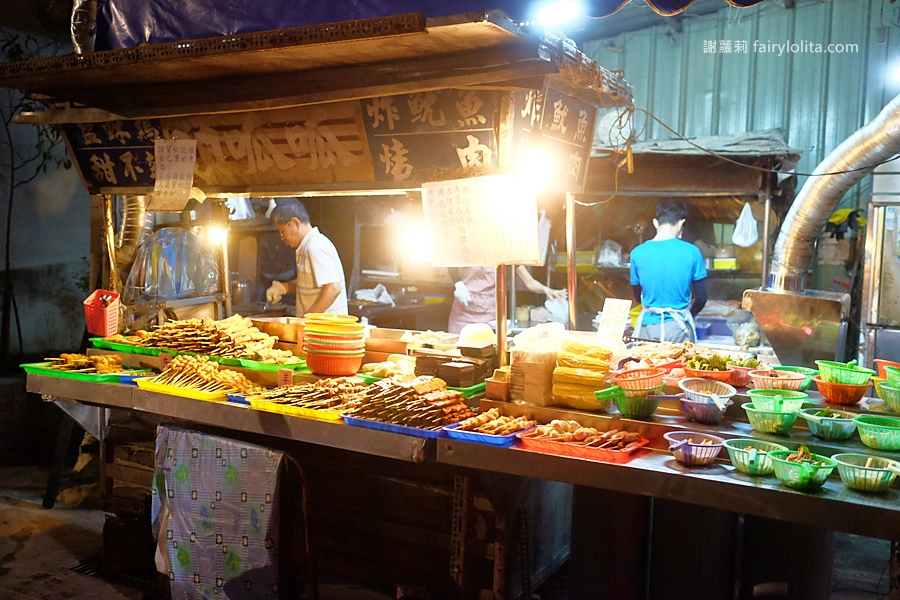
x=769 y=421
x=637 y=406
x=890 y=395
x=880 y=433
x=849 y=373
x=801 y=476
x=827 y=428
x=866 y=473
x=755 y=461
x=803 y=371
x=893 y=376
x=777 y=400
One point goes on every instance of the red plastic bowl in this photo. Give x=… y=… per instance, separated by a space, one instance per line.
x=840 y=393
x=354 y=348
x=334 y=366
x=723 y=376
x=881 y=363
x=640 y=379
x=740 y=376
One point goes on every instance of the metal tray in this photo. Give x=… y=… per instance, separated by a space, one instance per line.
x=526 y=441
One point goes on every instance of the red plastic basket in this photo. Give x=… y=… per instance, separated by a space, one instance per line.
x=101 y=311
x=639 y=379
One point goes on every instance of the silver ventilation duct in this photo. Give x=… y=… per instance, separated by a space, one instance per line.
x=873 y=143
x=135 y=226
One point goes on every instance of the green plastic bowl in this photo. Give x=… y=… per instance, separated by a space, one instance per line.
x=801 y=476
x=890 y=395
x=858 y=473
x=637 y=406
x=803 y=371
x=769 y=421
x=749 y=462
x=893 y=376
x=880 y=433
x=777 y=400
x=827 y=428
x=849 y=373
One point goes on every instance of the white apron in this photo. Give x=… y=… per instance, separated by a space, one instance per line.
x=683 y=318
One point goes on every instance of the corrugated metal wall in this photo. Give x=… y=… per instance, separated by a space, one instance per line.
x=818 y=99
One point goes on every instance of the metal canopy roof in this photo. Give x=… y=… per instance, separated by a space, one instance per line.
x=308 y=65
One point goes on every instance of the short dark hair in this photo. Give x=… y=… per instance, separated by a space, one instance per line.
x=288 y=208
x=670 y=212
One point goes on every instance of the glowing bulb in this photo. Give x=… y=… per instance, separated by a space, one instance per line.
x=417 y=243
x=217 y=235
x=536 y=167
x=557 y=13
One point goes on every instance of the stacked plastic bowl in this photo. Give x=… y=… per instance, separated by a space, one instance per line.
x=698 y=403
x=334 y=345
x=889 y=390
x=842 y=383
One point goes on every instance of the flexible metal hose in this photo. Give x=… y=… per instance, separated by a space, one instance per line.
x=873 y=143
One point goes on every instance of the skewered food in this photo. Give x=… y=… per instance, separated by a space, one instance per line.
x=275 y=356
x=232 y=337
x=423 y=402
x=573 y=432
x=491 y=422
x=335 y=393
x=199 y=374
x=82 y=363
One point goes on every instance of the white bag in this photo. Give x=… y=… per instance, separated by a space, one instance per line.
x=745 y=232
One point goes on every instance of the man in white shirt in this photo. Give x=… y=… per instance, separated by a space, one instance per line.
x=320 y=286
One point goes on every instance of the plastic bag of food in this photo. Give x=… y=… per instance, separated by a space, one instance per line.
x=587 y=351
x=584 y=377
x=609 y=254
x=746 y=335
x=533 y=358
x=578 y=397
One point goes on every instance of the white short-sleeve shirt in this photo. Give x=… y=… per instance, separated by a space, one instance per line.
x=318 y=264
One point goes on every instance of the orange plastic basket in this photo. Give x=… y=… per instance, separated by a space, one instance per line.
x=640 y=379
x=101 y=311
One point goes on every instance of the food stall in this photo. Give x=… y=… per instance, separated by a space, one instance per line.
x=465 y=514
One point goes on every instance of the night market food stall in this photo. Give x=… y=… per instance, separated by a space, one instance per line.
x=389 y=488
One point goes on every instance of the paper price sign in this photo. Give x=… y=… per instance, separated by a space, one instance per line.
x=164 y=359
x=615 y=317
x=174 y=160
x=285 y=377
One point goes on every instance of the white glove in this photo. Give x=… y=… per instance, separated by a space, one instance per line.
x=275 y=292
x=461 y=293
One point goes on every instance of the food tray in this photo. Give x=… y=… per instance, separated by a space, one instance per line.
x=501 y=441
x=271 y=367
x=468 y=392
x=368 y=379
x=222 y=360
x=99 y=342
x=173 y=390
x=41 y=368
x=320 y=414
x=382 y=426
x=526 y=440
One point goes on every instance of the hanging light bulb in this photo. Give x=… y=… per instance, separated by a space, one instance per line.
x=558 y=12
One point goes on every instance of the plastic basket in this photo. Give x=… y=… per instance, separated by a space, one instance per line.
x=881 y=363
x=846 y=373
x=890 y=395
x=876 y=383
x=880 y=433
x=722 y=376
x=777 y=400
x=893 y=376
x=102 y=320
x=768 y=421
x=752 y=456
x=866 y=473
x=640 y=379
x=840 y=393
x=803 y=371
x=703 y=412
x=828 y=428
x=765 y=380
x=698 y=389
x=740 y=376
x=637 y=406
x=694 y=452
x=801 y=476
x=334 y=366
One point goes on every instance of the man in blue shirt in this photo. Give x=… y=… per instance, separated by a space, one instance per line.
x=664 y=271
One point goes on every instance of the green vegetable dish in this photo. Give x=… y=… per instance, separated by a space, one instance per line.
x=803 y=455
x=717 y=362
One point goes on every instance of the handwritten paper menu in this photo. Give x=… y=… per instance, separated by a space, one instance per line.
x=481 y=221
x=615 y=317
x=174 y=161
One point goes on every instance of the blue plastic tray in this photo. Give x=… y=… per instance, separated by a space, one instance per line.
x=382 y=426
x=237 y=399
x=501 y=441
x=130 y=379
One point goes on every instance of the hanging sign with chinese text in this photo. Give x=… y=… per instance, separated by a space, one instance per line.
x=481 y=221
x=174 y=174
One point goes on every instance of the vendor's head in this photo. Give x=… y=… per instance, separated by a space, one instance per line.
x=291 y=220
x=670 y=217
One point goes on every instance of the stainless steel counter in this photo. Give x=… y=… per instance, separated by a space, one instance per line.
x=653 y=473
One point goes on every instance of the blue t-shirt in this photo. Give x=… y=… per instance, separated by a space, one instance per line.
x=664 y=270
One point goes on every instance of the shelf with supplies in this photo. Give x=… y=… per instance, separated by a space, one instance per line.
x=712 y=273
